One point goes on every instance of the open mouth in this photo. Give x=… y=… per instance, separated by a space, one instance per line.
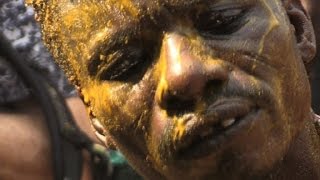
x=222 y=120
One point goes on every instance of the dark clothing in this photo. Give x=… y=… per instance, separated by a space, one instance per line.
x=18 y=25
x=121 y=169
x=316 y=87
x=315 y=16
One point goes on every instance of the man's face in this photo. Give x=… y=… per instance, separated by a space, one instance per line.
x=188 y=89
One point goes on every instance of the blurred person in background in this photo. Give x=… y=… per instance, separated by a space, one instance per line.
x=25 y=151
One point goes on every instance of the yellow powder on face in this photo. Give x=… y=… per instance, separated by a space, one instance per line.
x=129 y=6
x=180 y=123
x=161 y=71
x=273 y=23
x=96 y=94
x=179 y=128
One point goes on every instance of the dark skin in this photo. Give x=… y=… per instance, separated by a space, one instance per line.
x=194 y=89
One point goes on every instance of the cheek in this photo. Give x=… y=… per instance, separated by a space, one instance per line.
x=103 y=102
x=290 y=81
x=260 y=147
x=158 y=124
x=121 y=107
x=98 y=98
x=136 y=107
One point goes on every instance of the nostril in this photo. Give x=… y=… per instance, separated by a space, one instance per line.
x=214 y=83
x=176 y=106
x=213 y=88
x=178 y=103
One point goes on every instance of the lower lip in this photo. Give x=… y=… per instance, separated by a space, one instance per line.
x=212 y=144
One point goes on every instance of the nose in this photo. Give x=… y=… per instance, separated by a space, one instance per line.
x=185 y=73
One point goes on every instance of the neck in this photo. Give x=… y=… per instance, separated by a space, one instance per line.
x=303 y=158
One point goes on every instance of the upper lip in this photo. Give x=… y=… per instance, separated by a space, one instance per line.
x=209 y=125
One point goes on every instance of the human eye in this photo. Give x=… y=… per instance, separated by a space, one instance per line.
x=128 y=64
x=220 y=21
x=125 y=63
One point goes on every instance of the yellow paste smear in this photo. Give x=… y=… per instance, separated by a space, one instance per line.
x=273 y=23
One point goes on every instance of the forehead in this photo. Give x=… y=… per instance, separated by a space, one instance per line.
x=141 y=8
x=109 y=15
x=116 y=13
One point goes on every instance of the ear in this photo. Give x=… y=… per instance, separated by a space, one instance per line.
x=102 y=134
x=304 y=32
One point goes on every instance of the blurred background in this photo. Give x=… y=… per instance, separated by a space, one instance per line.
x=313 y=6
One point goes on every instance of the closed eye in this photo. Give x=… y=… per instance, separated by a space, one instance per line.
x=219 y=22
x=125 y=63
x=129 y=65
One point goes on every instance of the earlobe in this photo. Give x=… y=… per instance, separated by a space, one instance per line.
x=304 y=32
x=102 y=134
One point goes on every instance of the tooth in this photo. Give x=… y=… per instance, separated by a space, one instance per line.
x=206 y=132
x=228 y=122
